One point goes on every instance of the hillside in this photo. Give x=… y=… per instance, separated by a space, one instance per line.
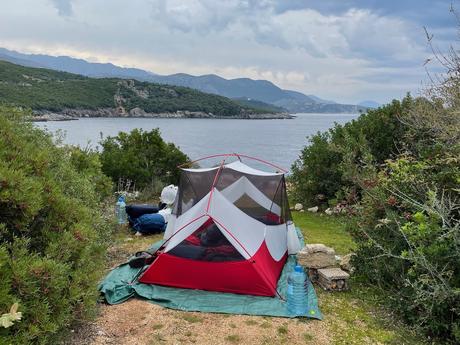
x=260 y=90
x=46 y=90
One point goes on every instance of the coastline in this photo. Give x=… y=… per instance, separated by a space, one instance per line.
x=75 y=114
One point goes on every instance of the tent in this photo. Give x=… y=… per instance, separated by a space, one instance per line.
x=230 y=231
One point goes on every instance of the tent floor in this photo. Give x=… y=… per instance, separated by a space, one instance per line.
x=117 y=288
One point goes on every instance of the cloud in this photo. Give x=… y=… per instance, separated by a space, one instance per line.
x=346 y=50
x=356 y=32
x=64 y=7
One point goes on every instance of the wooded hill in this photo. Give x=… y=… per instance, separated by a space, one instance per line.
x=44 y=89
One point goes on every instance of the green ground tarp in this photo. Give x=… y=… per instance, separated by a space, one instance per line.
x=120 y=285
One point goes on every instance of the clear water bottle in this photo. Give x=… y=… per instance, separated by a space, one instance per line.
x=120 y=210
x=297 y=297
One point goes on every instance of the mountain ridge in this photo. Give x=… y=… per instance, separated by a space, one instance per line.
x=237 y=88
x=50 y=92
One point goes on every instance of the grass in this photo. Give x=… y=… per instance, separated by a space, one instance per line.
x=191 y=318
x=308 y=337
x=233 y=338
x=157 y=326
x=321 y=228
x=357 y=316
x=282 y=330
x=265 y=325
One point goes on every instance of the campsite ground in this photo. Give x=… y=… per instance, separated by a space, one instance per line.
x=353 y=317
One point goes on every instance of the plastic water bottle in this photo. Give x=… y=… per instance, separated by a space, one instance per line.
x=297 y=297
x=120 y=210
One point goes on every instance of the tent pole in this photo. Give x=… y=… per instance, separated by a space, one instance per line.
x=238 y=155
x=214 y=184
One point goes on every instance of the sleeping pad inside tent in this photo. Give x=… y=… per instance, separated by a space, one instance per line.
x=229 y=246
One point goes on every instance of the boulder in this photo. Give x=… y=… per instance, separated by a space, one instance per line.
x=313 y=209
x=298 y=207
x=329 y=211
x=316 y=256
x=345 y=263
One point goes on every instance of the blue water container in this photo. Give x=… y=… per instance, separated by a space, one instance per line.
x=297 y=292
x=120 y=210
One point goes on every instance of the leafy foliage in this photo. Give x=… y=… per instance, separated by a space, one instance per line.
x=326 y=165
x=398 y=169
x=43 y=89
x=408 y=237
x=142 y=157
x=52 y=233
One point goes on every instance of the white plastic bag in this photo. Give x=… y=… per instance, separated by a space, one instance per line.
x=168 y=194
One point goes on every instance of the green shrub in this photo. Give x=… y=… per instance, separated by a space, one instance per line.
x=328 y=164
x=52 y=234
x=142 y=157
x=408 y=240
x=407 y=228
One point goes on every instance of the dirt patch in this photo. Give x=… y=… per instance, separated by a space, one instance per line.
x=138 y=322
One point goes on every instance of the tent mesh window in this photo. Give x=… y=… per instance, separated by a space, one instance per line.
x=207 y=243
x=261 y=197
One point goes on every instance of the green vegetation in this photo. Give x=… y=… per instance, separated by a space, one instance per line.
x=259 y=106
x=327 y=167
x=43 y=89
x=282 y=330
x=52 y=231
x=233 y=338
x=142 y=157
x=320 y=228
x=360 y=315
x=191 y=318
x=396 y=171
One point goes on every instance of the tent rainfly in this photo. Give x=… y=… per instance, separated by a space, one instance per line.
x=230 y=231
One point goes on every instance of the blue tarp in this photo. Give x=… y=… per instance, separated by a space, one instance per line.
x=121 y=284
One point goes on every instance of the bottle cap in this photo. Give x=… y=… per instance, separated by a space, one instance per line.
x=298 y=268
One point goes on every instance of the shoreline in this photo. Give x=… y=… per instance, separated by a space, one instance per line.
x=76 y=114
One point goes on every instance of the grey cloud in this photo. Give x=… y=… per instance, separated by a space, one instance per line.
x=64 y=7
x=343 y=55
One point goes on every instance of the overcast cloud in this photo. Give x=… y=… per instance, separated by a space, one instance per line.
x=344 y=50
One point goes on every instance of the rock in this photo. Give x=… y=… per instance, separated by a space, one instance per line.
x=302 y=211
x=345 y=263
x=313 y=209
x=137 y=112
x=316 y=256
x=320 y=197
x=298 y=207
x=333 y=279
x=329 y=211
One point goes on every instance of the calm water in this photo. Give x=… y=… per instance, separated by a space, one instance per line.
x=279 y=141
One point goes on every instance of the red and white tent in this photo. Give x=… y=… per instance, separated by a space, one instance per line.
x=230 y=231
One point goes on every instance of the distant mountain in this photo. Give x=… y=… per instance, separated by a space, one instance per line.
x=320 y=100
x=260 y=90
x=369 y=104
x=73 y=65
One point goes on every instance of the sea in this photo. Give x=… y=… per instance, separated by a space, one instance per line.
x=277 y=141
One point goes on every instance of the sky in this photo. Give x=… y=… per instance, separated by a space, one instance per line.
x=344 y=50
